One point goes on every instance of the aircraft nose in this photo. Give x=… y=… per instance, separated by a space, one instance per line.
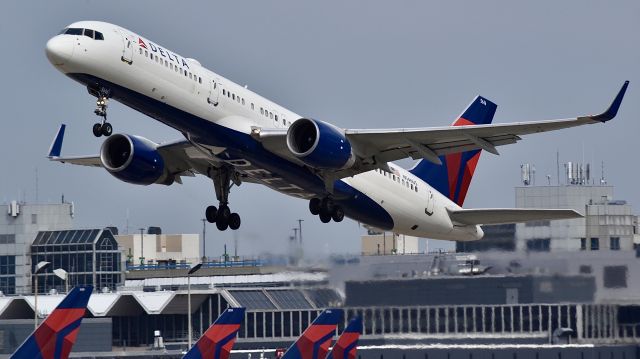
x=59 y=49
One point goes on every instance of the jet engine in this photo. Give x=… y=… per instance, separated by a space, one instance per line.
x=319 y=144
x=134 y=160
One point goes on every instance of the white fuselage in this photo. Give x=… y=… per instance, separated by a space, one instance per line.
x=146 y=68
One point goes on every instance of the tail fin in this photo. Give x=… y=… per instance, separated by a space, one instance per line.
x=315 y=341
x=218 y=340
x=55 y=337
x=453 y=177
x=347 y=344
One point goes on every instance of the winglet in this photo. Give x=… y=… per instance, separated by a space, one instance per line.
x=612 y=111
x=56 y=145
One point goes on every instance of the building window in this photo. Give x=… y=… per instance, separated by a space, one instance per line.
x=583 y=244
x=7 y=265
x=585 y=269
x=34 y=218
x=614 y=243
x=595 y=244
x=615 y=276
x=539 y=244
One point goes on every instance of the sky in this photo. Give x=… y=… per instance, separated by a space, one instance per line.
x=356 y=64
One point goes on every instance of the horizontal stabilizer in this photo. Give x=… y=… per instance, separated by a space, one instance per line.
x=509 y=215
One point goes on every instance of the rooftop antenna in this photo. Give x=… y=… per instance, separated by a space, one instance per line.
x=36 y=184
x=603 y=180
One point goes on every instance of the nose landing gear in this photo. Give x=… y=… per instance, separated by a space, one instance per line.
x=102 y=128
x=326 y=209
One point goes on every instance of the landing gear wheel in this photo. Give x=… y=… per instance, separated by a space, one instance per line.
x=338 y=214
x=222 y=224
x=97 y=129
x=234 y=221
x=211 y=213
x=326 y=205
x=314 y=206
x=325 y=217
x=107 y=130
x=223 y=213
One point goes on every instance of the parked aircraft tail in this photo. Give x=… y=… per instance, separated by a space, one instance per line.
x=347 y=344
x=315 y=341
x=218 y=340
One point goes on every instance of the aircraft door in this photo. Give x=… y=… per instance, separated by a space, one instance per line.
x=214 y=92
x=430 y=204
x=127 y=50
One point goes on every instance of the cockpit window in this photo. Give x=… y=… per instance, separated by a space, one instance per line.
x=73 y=31
x=87 y=32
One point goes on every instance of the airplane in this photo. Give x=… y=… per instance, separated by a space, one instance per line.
x=55 y=337
x=233 y=135
x=347 y=344
x=218 y=340
x=315 y=340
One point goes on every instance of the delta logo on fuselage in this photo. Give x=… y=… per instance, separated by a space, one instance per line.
x=164 y=53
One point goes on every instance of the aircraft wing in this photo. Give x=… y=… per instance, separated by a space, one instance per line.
x=509 y=215
x=375 y=147
x=181 y=157
x=381 y=146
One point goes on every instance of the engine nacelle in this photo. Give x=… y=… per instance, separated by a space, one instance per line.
x=134 y=160
x=319 y=144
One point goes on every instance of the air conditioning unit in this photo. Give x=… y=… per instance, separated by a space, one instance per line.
x=14 y=209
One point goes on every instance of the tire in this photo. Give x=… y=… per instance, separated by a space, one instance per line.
x=223 y=214
x=97 y=129
x=211 y=213
x=107 y=129
x=222 y=225
x=314 y=206
x=234 y=221
x=338 y=214
x=325 y=217
x=326 y=205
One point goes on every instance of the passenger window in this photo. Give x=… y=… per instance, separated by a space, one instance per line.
x=242 y=102
x=140 y=51
x=185 y=73
x=261 y=111
x=157 y=58
x=276 y=118
x=271 y=115
x=189 y=74
x=146 y=53
x=98 y=36
x=166 y=63
x=199 y=79
x=224 y=92
x=171 y=66
x=252 y=106
x=411 y=186
x=88 y=33
x=233 y=96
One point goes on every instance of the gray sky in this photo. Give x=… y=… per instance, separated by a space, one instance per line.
x=357 y=64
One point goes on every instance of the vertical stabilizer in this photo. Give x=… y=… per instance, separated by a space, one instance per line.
x=453 y=177
x=218 y=340
x=347 y=343
x=55 y=337
x=315 y=341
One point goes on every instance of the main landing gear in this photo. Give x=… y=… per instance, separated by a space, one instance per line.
x=326 y=209
x=222 y=216
x=102 y=128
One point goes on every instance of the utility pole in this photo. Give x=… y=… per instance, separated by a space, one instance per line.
x=300 y=229
x=142 y=247
x=204 y=240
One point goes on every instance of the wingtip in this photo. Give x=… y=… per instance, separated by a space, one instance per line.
x=56 y=145
x=612 y=111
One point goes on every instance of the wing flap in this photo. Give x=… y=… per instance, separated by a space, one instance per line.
x=509 y=215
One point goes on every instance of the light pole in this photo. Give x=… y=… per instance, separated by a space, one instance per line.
x=39 y=268
x=300 y=229
x=204 y=240
x=189 y=273
x=142 y=247
x=64 y=275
